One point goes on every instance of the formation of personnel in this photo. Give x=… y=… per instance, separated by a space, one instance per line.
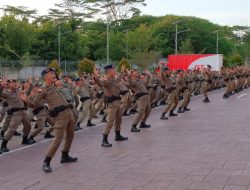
x=63 y=103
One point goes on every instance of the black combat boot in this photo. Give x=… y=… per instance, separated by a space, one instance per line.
x=206 y=100
x=101 y=112
x=46 y=165
x=27 y=141
x=46 y=124
x=119 y=137
x=4 y=146
x=162 y=103
x=134 y=129
x=180 y=110
x=225 y=96
x=77 y=127
x=89 y=124
x=144 y=125
x=125 y=113
x=104 y=120
x=35 y=127
x=186 y=109
x=66 y=158
x=132 y=111
x=48 y=135
x=172 y=114
x=105 y=142
x=17 y=134
x=2 y=135
x=163 y=116
x=31 y=138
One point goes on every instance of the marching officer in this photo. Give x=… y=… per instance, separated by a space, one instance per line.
x=18 y=112
x=138 y=85
x=113 y=100
x=63 y=117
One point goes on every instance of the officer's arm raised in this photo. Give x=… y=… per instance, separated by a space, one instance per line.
x=2 y=93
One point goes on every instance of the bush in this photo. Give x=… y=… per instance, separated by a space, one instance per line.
x=86 y=66
x=123 y=62
x=55 y=65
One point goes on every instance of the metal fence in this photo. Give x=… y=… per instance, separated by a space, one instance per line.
x=16 y=69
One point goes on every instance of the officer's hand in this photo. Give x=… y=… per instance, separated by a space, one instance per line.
x=123 y=68
x=3 y=83
x=96 y=73
x=23 y=96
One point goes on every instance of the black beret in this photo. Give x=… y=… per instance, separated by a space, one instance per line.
x=45 y=71
x=109 y=67
x=165 y=69
x=77 y=79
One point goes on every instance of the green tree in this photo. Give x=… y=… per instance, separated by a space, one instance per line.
x=186 y=47
x=123 y=62
x=55 y=65
x=86 y=66
x=145 y=59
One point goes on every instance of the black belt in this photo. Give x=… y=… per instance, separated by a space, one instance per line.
x=37 y=110
x=99 y=94
x=170 y=89
x=140 y=94
x=111 y=99
x=54 y=112
x=149 y=87
x=13 y=110
x=5 y=104
x=83 y=99
x=123 y=92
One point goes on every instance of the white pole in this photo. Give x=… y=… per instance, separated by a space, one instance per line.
x=108 y=38
x=176 y=39
x=59 y=44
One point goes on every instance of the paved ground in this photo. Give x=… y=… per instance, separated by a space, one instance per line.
x=207 y=148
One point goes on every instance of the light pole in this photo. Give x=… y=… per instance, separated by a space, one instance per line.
x=217 y=40
x=176 y=35
x=59 y=41
x=108 y=16
x=59 y=44
x=127 y=42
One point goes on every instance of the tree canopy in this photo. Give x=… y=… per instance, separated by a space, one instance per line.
x=142 y=39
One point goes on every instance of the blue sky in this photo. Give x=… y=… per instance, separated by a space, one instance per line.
x=225 y=12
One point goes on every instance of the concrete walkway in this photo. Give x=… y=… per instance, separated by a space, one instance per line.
x=207 y=148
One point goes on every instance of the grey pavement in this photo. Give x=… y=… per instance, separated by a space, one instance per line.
x=206 y=148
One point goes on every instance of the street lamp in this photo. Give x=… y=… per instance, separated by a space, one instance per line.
x=217 y=41
x=176 y=35
x=127 y=41
x=59 y=40
x=108 y=16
